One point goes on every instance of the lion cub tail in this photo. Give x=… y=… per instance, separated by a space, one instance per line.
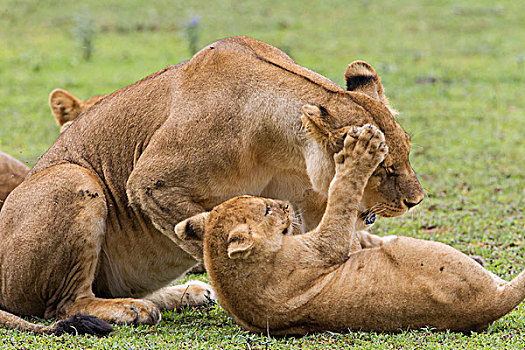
x=75 y=325
x=510 y=295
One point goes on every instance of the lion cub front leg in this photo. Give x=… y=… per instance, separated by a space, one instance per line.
x=364 y=148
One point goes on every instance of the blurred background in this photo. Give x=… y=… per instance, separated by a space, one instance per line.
x=454 y=69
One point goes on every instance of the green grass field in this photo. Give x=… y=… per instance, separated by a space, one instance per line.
x=455 y=70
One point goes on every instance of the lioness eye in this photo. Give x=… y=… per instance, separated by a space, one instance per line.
x=389 y=170
x=268 y=210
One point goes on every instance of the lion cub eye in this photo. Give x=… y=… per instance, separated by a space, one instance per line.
x=268 y=210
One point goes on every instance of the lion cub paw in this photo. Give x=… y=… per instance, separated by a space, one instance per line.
x=364 y=148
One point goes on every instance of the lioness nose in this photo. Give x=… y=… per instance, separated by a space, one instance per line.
x=410 y=204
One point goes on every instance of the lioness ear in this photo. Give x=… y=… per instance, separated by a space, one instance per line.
x=360 y=76
x=315 y=121
x=192 y=229
x=64 y=106
x=240 y=243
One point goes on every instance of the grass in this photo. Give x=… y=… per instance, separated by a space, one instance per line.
x=454 y=69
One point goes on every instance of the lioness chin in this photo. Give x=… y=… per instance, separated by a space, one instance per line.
x=273 y=282
x=91 y=227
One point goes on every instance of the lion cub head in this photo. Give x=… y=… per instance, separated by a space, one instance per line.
x=393 y=188
x=65 y=107
x=241 y=227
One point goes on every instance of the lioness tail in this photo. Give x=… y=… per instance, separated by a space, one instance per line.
x=76 y=325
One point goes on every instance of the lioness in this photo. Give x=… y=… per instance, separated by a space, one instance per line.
x=12 y=173
x=91 y=228
x=322 y=280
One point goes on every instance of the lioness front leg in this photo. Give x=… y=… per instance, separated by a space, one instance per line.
x=192 y=293
x=156 y=187
x=364 y=148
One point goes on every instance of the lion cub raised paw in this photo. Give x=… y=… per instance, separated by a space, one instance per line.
x=364 y=148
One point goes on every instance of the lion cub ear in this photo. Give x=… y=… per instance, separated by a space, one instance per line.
x=240 y=243
x=64 y=106
x=192 y=229
x=361 y=77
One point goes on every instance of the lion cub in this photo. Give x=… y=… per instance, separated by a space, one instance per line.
x=12 y=173
x=65 y=107
x=272 y=281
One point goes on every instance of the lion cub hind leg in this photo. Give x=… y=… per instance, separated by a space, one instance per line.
x=192 y=293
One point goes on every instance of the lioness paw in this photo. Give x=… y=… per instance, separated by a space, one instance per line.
x=192 y=293
x=119 y=311
x=139 y=312
x=197 y=293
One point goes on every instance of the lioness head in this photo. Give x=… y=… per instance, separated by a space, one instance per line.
x=393 y=188
x=243 y=225
x=65 y=107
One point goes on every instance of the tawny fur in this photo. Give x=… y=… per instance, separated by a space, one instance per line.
x=275 y=283
x=66 y=107
x=12 y=173
x=95 y=217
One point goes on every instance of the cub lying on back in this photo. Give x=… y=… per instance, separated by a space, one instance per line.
x=272 y=281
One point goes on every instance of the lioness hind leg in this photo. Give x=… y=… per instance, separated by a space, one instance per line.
x=192 y=293
x=53 y=227
x=120 y=311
